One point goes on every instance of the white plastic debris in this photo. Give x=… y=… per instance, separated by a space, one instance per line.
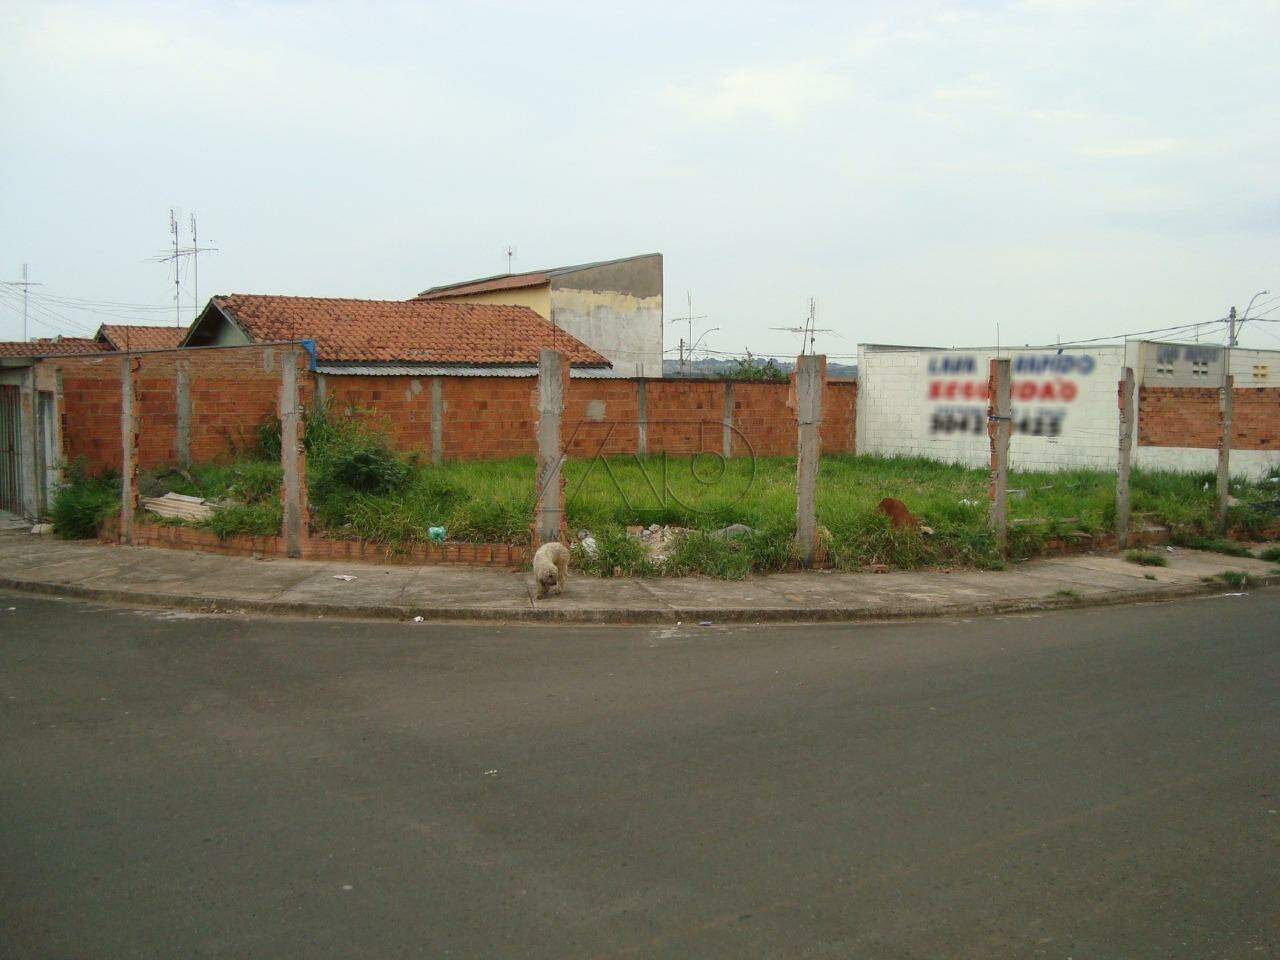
x=589 y=545
x=343 y=576
x=42 y=528
x=491 y=773
x=417 y=619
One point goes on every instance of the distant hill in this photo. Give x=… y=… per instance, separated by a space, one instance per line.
x=714 y=369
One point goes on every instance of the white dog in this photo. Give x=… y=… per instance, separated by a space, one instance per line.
x=551 y=568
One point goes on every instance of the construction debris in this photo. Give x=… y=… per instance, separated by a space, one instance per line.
x=179 y=506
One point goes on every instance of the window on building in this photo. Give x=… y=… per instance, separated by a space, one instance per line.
x=1260 y=371
x=1200 y=368
x=1164 y=369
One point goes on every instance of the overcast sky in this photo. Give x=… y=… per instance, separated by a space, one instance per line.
x=925 y=170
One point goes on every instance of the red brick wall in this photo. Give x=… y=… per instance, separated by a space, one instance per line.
x=488 y=418
x=90 y=409
x=232 y=391
x=1189 y=417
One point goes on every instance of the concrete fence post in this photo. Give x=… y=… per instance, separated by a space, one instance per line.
x=553 y=370
x=129 y=368
x=1124 y=457
x=437 y=421
x=726 y=430
x=28 y=450
x=999 y=428
x=1226 y=400
x=810 y=371
x=293 y=457
x=182 y=408
x=642 y=419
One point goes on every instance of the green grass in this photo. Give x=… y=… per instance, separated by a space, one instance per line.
x=1215 y=545
x=1270 y=554
x=1235 y=579
x=1146 y=558
x=359 y=489
x=81 y=506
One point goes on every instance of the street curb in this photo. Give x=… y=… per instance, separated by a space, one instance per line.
x=602 y=615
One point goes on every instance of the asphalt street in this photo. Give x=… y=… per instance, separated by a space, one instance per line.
x=1080 y=784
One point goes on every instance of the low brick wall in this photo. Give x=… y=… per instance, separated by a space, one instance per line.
x=175 y=537
x=1189 y=417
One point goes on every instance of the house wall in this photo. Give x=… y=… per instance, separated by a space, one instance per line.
x=231 y=390
x=487 y=418
x=933 y=403
x=617 y=310
x=537 y=299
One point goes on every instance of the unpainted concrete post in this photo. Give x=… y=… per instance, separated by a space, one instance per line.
x=553 y=370
x=810 y=372
x=293 y=457
x=182 y=407
x=1124 y=458
x=28 y=451
x=999 y=429
x=129 y=446
x=437 y=421
x=726 y=440
x=642 y=419
x=1226 y=402
x=321 y=394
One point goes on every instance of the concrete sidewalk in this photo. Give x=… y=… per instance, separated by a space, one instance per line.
x=175 y=578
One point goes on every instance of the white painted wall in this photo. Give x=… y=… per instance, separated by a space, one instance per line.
x=931 y=403
x=908 y=406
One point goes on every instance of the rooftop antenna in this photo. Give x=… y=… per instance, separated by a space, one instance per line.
x=688 y=319
x=196 y=250
x=179 y=252
x=808 y=332
x=24 y=283
x=510 y=253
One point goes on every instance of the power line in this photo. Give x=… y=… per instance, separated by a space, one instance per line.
x=26 y=286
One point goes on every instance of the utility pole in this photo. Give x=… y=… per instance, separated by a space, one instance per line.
x=1231 y=328
x=24 y=283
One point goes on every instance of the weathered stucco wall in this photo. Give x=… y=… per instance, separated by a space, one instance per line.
x=615 y=308
x=537 y=299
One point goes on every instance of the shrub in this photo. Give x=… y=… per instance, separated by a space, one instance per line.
x=1271 y=555
x=1216 y=545
x=1145 y=558
x=80 y=507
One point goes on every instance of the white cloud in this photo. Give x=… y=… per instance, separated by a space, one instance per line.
x=785 y=94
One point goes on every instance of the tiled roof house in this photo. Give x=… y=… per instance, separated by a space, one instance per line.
x=393 y=336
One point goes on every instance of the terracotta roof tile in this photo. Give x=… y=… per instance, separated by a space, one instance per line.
x=53 y=347
x=405 y=331
x=121 y=336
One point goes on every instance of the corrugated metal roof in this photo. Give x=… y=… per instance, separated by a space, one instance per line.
x=431 y=370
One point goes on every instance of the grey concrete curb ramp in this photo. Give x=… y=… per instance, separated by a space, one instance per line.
x=599 y=615
x=297 y=588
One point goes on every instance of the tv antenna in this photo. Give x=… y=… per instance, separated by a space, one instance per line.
x=808 y=332
x=688 y=319
x=510 y=253
x=177 y=256
x=25 y=284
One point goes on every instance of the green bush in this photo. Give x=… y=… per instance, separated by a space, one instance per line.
x=83 y=503
x=1271 y=555
x=1145 y=558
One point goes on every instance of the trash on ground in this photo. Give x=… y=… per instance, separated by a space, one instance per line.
x=704 y=623
x=733 y=530
x=179 y=506
x=436 y=534
x=491 y=773
x=42 y=528
x=417 y=619
x=589 y=545
x=343 y=576
x=658 y=541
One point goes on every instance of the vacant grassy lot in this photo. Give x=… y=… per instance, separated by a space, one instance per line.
x=359 y=489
